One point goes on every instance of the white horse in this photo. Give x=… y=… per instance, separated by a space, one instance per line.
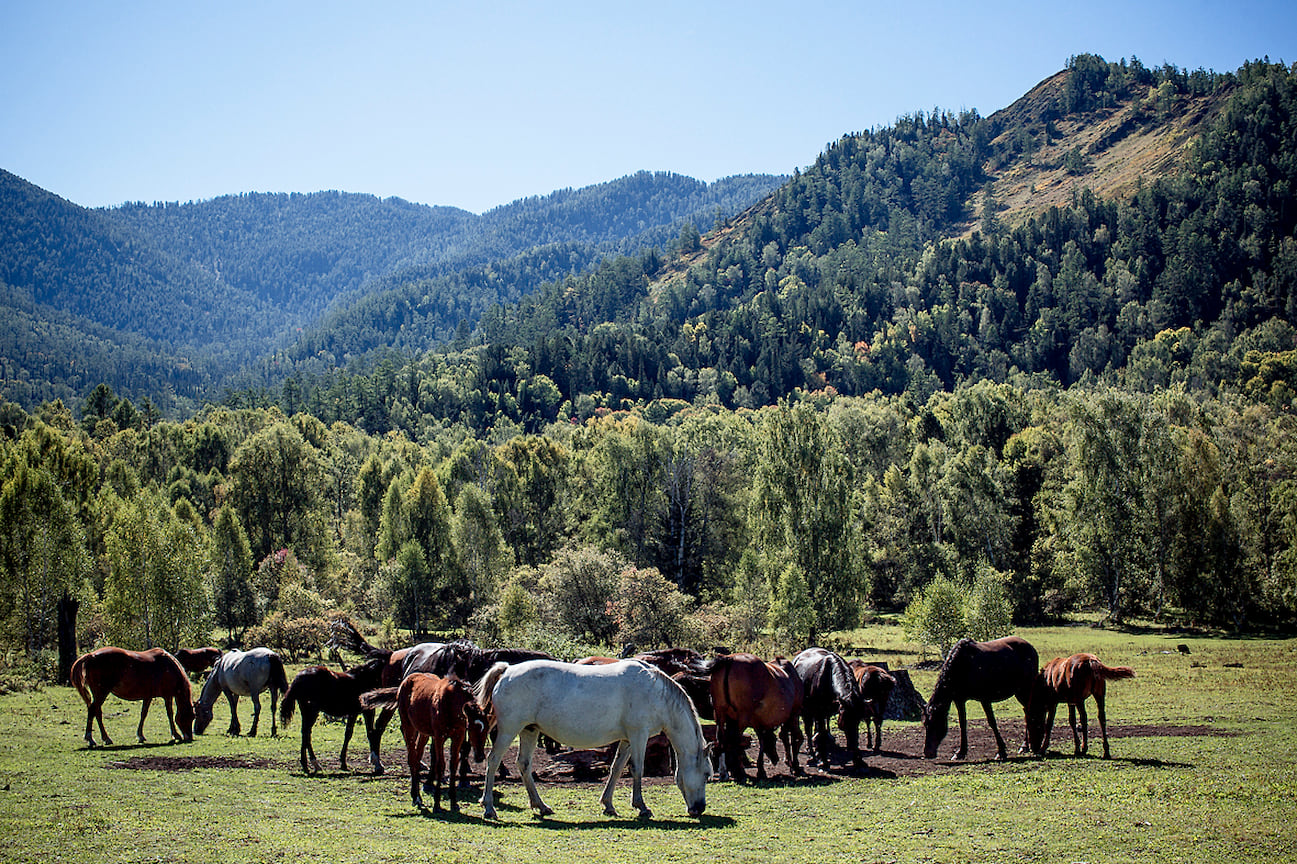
x=242 y=673
x=591 y=706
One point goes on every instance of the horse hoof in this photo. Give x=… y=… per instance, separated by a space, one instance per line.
x=609 y=810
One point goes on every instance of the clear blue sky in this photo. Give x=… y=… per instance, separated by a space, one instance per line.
x=476 y=104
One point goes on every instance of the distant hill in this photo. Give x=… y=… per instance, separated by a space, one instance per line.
x=208 y=287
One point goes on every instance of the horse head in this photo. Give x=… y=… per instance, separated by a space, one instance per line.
x=202 y=717
x=691 y=779
x=935 y=726
x=185 y=716
x=478 y=726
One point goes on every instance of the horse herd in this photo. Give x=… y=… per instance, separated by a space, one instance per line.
x=459 y=694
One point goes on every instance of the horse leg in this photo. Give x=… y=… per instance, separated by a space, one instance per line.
x=256 y=714
x=414 y=744
x=963 y=731
x=274 y=712
x=526 y=747
x=1001 y=753
x=235 y=726
x=372 y=737
x=144 y=712
x=1103 y=723
x=493 y=760
x=346 y=740
x=636 y=748
x=95 y=710
x=1049 y=728
x=791 y=732
x=614 y=772
x=308 y=720
x=171 y=719
x=375 y=734
x=1082 y=744
x=457 y=744
x=811 y=726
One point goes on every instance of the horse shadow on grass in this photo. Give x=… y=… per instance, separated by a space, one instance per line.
x=1137 y=761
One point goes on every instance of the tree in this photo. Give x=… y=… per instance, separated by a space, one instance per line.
x=231 y=575
x=43 y=553
x=582 y=585
x=276 y=479
x=802 y=511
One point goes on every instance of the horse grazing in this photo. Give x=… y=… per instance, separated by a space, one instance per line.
x=242 y=673
x=830 y=688
x=434 y=709
x=1072 y=680
x=986 y=672
x=198 y=660
x=135 y=676
x=320 y=690
x=589 y=706
x=876 y=685
x=749 y=692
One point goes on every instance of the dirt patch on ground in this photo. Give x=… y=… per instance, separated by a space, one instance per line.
x=901 y=755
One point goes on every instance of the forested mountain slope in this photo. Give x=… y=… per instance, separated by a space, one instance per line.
x=176 y=300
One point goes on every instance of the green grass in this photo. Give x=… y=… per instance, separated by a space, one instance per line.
x=1230 y=796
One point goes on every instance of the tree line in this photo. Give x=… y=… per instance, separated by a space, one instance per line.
x=709 y=525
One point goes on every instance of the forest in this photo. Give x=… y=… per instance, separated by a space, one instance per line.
x=878 y=391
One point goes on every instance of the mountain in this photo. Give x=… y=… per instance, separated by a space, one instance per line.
x=208 y=287
x=1119 y=223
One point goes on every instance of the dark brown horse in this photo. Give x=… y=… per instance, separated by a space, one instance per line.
x=434 y=709
x=198 y=660
x=1072 y=680
x=320 y=690
x=747 y=692
x=135 y=676
x=985 y=672
x=830 y=688
x=876 y=685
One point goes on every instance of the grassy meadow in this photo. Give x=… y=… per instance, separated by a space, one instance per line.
x=1204 y=769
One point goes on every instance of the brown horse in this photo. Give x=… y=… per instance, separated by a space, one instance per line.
x=748 y=692
x=198 y=660
x=985 y=672
x=135 y=676
x=320 y=690
x=876 y=685
x=1072 y=680
x=434 y=709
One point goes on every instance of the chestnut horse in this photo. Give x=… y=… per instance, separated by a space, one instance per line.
x=135 y=676
x=748 y=692
x=985 y=672
x=320 y=690
x=1072 y=680
x=876 y=685
x=830 y=688
x=198 y=660
x=434 y=709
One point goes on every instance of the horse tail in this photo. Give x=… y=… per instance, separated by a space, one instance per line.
x=1111 y=673
x=78 y=676
x=290 y=702
x=278 y=677
x=382 y=698
x=482 y=690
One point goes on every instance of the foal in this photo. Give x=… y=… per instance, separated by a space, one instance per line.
x=1072 y=680
x=434 y=709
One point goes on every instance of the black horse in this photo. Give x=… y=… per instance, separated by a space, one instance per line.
x=320 y=690
x=830 y=689
x=985 y=672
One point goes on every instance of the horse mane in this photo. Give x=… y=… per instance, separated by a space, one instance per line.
x=941 y=692
x=844 y=683
x=345 y=635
